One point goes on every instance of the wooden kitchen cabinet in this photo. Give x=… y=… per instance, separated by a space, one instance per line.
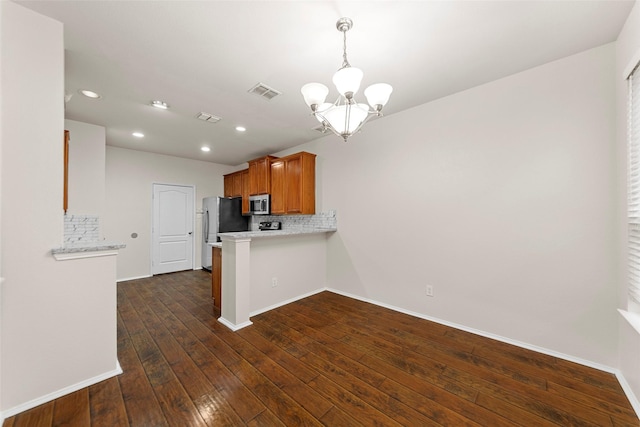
x=233 y=183
x=277 y=187
x=236 y=184
x=293 y=184
x=216 y=277
x=228 y=185
x=260 y=175
x=245 y=191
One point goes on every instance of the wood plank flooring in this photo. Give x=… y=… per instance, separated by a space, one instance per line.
x=323 y=360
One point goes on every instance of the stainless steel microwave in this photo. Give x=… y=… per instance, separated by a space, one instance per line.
x=260 y=205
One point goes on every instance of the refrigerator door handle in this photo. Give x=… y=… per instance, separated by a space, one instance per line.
x=205 y=229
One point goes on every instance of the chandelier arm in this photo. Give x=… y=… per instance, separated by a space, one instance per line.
x=347 y=119
x=366 y=119
x=327 y=125
x=345 y=80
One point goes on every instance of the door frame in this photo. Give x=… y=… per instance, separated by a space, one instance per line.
x=193 y=243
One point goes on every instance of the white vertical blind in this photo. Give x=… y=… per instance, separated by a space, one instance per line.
x=633 y=186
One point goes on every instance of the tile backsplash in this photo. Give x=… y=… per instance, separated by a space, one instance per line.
x=81 y=228
x=322 y=220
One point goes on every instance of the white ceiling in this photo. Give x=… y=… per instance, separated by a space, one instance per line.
x=205 y=56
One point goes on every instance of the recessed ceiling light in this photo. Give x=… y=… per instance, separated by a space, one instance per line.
x=90 y=94
x=160 y=104
x=205 y=149
x=241 y=128
x=138 y=134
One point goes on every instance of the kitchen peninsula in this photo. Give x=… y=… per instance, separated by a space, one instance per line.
x=262 y=270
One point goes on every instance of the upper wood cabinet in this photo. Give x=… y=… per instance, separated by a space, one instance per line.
x=277 y=187
x=293 y=184
x=236 y=184
x=233 y=184
x=228 y=185
x=260 y=175
x=244 y=174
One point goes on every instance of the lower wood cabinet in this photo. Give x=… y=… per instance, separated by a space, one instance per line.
x=216 y=277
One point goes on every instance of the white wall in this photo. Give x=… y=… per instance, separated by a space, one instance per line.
x=86 y=168
x=58 y=318
x=627 y=53
x=1 y=276
x=299 y=263
x=499 y=197
x=129 y=178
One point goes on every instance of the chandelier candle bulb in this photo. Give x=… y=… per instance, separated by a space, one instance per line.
x=314 y=93
x=378 y=95
x=346 y=116
x=347 y=81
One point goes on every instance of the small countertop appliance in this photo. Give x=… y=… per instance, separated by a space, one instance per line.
x=269 y=225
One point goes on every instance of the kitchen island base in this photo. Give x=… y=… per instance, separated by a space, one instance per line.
x=273 y=269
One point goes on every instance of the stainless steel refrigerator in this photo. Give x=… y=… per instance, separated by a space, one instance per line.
x=220 y=215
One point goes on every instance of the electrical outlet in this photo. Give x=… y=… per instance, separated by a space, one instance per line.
x=274 y=282
x=429 y=290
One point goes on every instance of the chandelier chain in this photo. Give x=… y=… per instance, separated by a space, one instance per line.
x=345 y=61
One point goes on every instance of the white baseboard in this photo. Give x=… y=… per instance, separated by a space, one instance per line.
x=628 y=391
x=233 y=326
x=134 y=278
x=484 y=334
x=59 y=393
x=289 y=301
x=623 y=382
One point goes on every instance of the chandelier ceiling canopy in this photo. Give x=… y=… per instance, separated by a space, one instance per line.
x=345 y=116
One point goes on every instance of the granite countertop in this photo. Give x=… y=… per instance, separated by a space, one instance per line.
x=100 y=245
x=215 y=244
x=275 y=233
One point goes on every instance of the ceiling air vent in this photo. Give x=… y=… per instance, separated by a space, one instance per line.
x=264 y=91
x=206 y=117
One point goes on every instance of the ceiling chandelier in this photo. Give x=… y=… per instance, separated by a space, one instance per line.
x=346 y=116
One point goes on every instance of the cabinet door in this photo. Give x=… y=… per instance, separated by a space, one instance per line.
x=293 y=185
x=308 y=183
x=216 y=277
x=278 y=187
x=264 y=174
x=253 y=177
x=245 y=191
x=237 y=184
x=260 y=175
x=228 y=186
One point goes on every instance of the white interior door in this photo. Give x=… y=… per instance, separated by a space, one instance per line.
x=173 y=225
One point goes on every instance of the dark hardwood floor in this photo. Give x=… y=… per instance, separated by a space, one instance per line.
x=324 y=360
